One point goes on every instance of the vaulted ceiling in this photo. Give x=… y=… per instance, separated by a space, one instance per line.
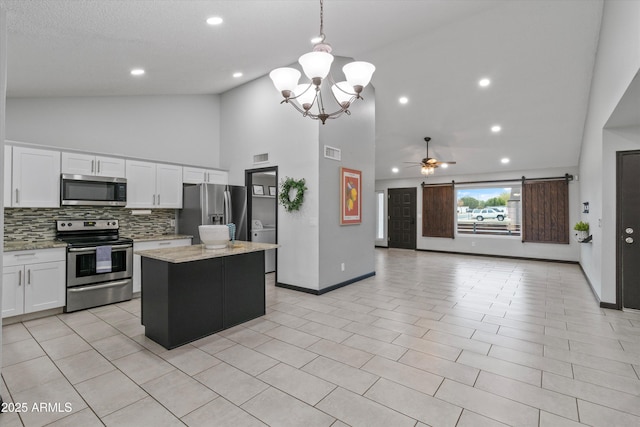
x=538 y=54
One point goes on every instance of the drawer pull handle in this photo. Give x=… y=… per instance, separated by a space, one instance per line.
x=95 y=287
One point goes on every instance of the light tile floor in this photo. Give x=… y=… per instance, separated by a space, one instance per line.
x=432 y=339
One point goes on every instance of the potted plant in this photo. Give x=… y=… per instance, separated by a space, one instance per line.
x=582 y=229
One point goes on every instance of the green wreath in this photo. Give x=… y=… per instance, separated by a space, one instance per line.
x=286 y=186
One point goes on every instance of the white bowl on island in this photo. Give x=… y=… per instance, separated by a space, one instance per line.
x=214 y=236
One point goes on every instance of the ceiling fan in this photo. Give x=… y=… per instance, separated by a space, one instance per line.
x=428 y=164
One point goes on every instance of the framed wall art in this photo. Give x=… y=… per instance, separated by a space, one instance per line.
x=258 y=190
x=350 y=196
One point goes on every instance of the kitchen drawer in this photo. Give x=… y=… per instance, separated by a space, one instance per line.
x=158 y=244
x=34 y=256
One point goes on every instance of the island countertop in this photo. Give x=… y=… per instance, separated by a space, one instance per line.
x=181 y=254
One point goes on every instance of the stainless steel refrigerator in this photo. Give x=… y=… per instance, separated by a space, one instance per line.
x=213 y=204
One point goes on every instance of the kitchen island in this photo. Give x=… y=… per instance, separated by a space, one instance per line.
x=190 y=292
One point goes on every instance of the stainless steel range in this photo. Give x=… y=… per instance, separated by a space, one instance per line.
x=99 y=263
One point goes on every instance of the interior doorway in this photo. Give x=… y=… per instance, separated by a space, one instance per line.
x=262 y=210
x=628 y=229
x=401 y=224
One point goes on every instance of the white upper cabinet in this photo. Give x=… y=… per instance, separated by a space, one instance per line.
x=35 y=178
x=88 y=164
x=192 y=175
x=153 y=185
x=7 y=176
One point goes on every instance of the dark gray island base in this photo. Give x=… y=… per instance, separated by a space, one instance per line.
x=186 y=301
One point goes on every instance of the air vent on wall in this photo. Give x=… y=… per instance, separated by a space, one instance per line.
x=260 y=158
x=332 y=153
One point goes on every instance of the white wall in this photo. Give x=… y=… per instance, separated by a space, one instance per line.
x=3 y=92
x=352 y=245
x=494 y=245
x=253 y=122
x=617 y=62
x=312 y=243
x=177 y=129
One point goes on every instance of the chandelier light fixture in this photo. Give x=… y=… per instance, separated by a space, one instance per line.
x=316 y=66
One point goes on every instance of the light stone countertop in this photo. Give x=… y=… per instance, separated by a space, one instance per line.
x=152 y=238
x=181 y=254
x=31 y=246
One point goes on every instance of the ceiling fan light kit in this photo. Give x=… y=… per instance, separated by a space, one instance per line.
x=428 y=165
x=316 y=65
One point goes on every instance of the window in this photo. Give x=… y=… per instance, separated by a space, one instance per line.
x=489 y=210
x=380 y=215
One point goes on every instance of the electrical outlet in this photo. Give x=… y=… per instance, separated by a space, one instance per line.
x=342 y=266
x=172 y=223
x=473 y=243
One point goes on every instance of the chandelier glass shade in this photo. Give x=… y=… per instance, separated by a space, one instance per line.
x=307 y=98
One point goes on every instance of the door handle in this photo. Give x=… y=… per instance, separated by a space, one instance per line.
x=17 y=196
x=154 y=200
x=93 y=166
x=629 y=240
x=28 y=276
x=158 y=200
x=20 y=278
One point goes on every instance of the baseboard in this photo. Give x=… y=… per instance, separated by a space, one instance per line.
x=501 y=256
x=611 y=305
x=31 y=316
x=327 y=289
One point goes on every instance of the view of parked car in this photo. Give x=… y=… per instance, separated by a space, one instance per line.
x=481 y=214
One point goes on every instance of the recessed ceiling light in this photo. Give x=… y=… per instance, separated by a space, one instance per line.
x=237 y=75
x=504 y=160
x=403 y=100
x=395 y=170
x=137 y=72
x=214 y=20
x=484 y=82
x=496 y=128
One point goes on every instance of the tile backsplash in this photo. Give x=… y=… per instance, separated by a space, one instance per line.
x=33 y=225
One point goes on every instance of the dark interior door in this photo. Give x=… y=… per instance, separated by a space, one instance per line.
x=628 y=228
x=402 y=218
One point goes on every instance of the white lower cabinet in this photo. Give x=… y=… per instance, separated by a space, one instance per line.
x=33 y=281
x=143 y=246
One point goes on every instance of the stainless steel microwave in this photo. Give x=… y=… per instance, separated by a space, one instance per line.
x=88 y=190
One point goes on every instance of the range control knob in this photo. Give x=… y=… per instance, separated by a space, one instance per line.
x=69 y=224
x=62 y=224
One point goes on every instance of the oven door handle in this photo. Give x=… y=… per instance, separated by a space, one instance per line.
x=94 y=287
x=87 y=250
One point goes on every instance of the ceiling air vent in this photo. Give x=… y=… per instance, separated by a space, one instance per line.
x=332 y=153
x=260 y=158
